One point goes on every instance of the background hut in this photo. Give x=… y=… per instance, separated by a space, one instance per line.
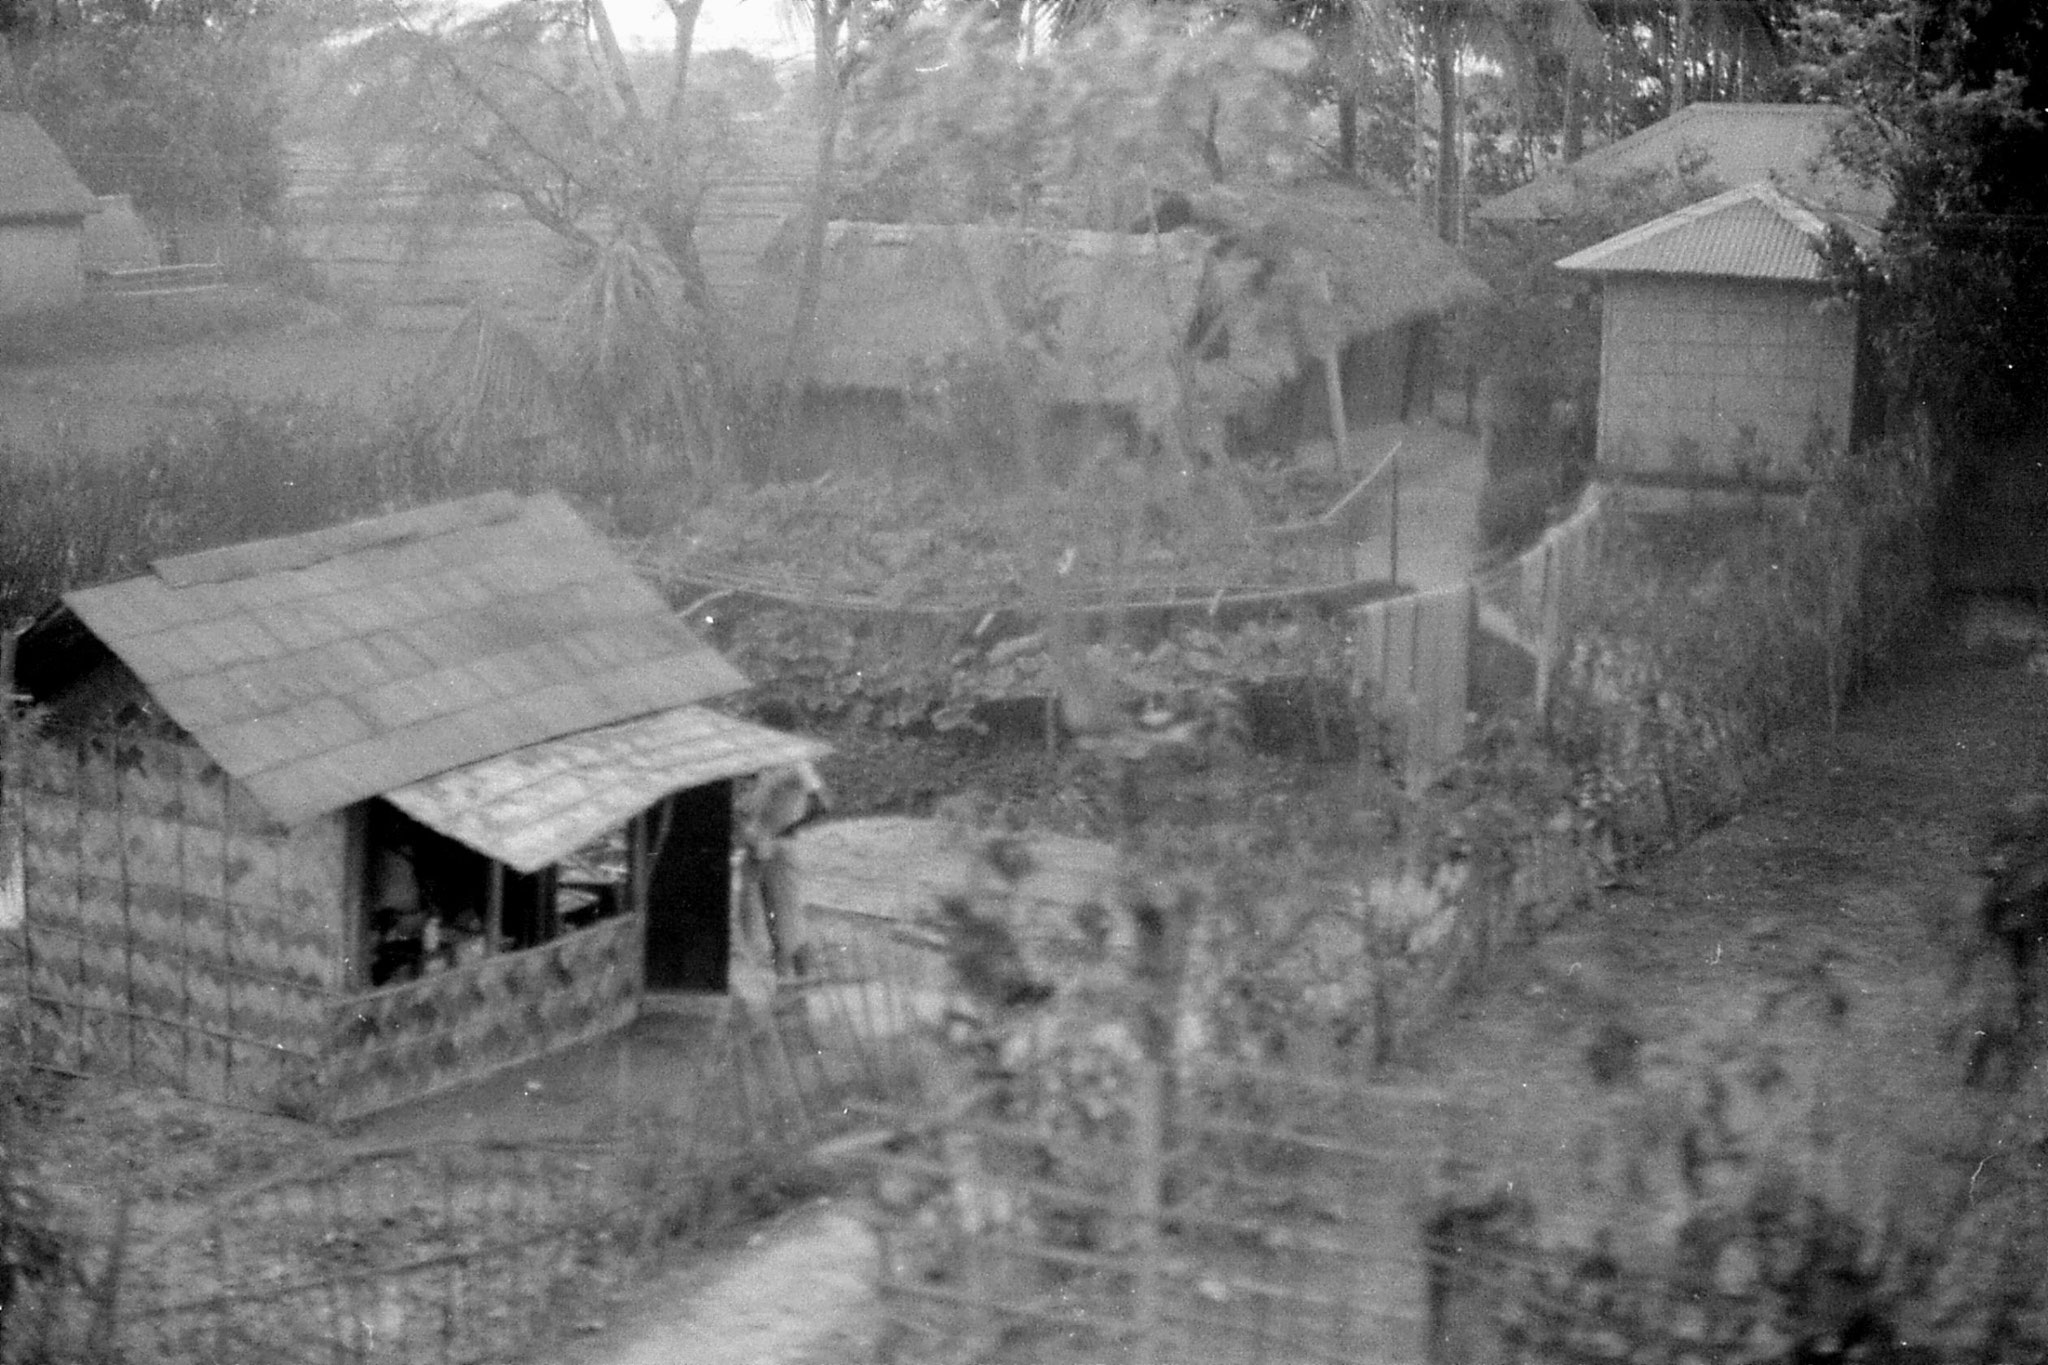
x=1334 y=270
x=43 y=207
x=322 y=823
x=1725 y=352
x=1791 y=145
x=923 y=328
x=1210 y=326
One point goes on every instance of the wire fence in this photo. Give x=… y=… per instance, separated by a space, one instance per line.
x=460 y=1253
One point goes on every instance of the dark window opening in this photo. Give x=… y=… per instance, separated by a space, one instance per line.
x=432 y=904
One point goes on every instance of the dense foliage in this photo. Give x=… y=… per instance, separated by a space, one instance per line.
x=1955 y=93
x=184 y=119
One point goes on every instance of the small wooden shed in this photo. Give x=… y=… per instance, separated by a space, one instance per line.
x=323 y=823
x=1725 y=352
x=43 y=207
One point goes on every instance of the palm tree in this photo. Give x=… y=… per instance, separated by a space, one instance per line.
x=534 y=99
x=1511 y=32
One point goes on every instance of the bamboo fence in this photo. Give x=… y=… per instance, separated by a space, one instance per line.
x=1240 y=1215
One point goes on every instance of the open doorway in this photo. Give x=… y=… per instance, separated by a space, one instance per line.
x=689 y=890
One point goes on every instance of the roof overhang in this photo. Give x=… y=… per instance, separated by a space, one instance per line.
x=536 y=805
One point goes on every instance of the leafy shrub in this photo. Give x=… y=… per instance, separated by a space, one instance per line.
x=1707 y=644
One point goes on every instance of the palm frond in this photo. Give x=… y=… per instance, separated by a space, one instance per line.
x=489 y=381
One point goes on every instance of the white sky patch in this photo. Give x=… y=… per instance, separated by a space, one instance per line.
x=759 y=26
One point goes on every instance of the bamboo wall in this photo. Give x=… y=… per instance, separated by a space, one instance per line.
x=176 y=935
x=456 y=1026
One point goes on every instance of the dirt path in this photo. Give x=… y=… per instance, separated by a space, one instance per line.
x=1841 y=877
x=799 y=1291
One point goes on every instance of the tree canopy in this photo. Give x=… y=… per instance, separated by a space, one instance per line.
x=1953 y=94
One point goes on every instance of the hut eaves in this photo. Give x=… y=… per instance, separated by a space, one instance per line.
x=534 y=805
x=325 y=668
x=1756 y=232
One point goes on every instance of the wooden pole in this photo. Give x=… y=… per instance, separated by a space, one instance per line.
x=1333 y=389
x=1394 y=523
x=13 y=875
x=1148 y=1136
x=494 y=910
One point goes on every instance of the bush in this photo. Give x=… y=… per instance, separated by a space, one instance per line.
x=1708 y=645
x=71 y=517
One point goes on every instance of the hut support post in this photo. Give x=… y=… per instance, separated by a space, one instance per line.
x=1333 y=388
x=1394 y=524
x=494 y=910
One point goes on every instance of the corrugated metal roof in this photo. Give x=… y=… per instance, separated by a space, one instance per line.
x=536 y=805
x=1753 y=233
x=324 y=668
x=1736 y=144
x=36 y=183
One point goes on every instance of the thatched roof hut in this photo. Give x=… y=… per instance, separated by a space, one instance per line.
x=1254 y=285
x=1098 y=314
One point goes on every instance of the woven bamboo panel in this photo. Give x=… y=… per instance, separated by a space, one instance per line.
x=159 y=1057
x=208 y=928
x=50 y=766
x=99 y=780
x=156 y=984
x=209 y=995
x=428 y=1035
x=151 y=848
x=314 y=887
x=102 y=896
x=152 y=779
x=54 y=1034
x=50 y=859
x=156 y=922
x=206 y=1067
x=169 y=944
x=106 y=1043
x=204 y=790
x=102 y=975
x=53 y=963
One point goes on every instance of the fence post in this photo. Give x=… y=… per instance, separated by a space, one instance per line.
x=1147 y=1136
x=1394 y=524
x=13 y=876
x=1548 y=624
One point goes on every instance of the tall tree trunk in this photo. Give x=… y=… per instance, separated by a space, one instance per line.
x=614 y=60
x=1450 y=167
x=685 y=13
x=1681 y=57
x=1574 y=114
x=827 y=18
x=1421 y=172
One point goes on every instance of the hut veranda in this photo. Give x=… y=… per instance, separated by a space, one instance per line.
x=322 y=823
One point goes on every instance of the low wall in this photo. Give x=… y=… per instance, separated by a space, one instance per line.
x=460 y=1025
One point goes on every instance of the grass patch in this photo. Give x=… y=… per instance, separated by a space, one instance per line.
x=104 y=325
